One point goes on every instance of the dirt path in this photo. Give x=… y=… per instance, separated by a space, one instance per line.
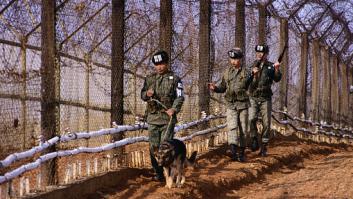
x=319 y=177
x=293 y=169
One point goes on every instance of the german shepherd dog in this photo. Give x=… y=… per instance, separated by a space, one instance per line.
x=171 y=156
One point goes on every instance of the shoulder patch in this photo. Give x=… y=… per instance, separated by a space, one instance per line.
x=180 y=85
x=180 y=89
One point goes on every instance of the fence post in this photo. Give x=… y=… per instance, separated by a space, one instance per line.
x=240 y=31
x=50 y=87
x=344 y=94
x=325 y=107
x=315 y=81
x=350 y=83
x=334 y=90
x=166 y=26
x=303 y=74
x=24 y=89
x=88 y=63
x=262 y=24
x=204 y=56
x=117 y=62
x=284 y=64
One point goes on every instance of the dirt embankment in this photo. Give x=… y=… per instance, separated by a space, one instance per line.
x=293 y=169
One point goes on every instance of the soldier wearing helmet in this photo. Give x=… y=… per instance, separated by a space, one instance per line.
x=265 y=73
x=163 y=92
x=235 y=82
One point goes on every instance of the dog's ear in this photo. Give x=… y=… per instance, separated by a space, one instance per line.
x=163 y=146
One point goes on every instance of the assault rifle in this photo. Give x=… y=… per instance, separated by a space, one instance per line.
x=282 y=54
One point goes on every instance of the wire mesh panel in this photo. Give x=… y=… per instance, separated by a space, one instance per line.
x=84 y=51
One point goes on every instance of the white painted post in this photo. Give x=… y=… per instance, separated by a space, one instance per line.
x=79 y=169
x=188 y=147
x=137 y=156
x=140 y=158
x=133 y=158
x=144 y=159
x=95 y=165
x=39 y=182
x=67 y=174
x=88 y=168
x=74 y=169
x=108 y=162
x=21 y=186
x=27 y=185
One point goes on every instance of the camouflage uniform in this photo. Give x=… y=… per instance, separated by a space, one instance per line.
x=235 y=82
x=260 y=99
x=168 y=90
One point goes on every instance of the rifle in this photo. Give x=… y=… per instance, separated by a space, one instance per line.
x=282 y=54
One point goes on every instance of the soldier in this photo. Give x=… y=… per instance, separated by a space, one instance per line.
x=264 y=73
x=235 y=82
x=163 y=92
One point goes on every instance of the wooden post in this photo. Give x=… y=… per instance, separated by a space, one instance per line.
x=166 y=26
x=49 y=86
x=117 y=74
x=344 y=95
x=24 y=90
x=315 y=81
x=334 y=89
x=303 y=74
x=88 y=63
x=284 y=64
x=262 y=24
x=240 y=33
x=325 y=106
x=350 y=83
x=204 y=56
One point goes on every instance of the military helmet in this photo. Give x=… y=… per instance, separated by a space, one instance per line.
x=262 y=48
x=160 y=57
x=235 y=53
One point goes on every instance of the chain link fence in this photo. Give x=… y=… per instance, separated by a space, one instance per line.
x=83 y=39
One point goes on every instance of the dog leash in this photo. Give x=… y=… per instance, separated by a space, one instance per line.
x=170 y=117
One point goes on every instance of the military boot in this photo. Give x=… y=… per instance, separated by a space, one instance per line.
x=234 y=149
x=254 y=144
x=242 y=154
x=263 y=150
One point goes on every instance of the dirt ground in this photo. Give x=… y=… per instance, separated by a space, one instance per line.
x=293 y=169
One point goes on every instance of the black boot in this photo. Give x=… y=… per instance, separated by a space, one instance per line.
x=254 y=144
x=242 y=154
x=233 y=149
x=263 y=150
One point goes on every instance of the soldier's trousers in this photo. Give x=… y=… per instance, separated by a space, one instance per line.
x=237 y=122
x=158 y=134
x=264 y=109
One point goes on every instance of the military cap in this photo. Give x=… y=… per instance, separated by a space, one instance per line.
x=262 y=48
x=235 y=53
x=160 y=57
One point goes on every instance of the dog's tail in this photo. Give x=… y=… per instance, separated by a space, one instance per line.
x=191 y=161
